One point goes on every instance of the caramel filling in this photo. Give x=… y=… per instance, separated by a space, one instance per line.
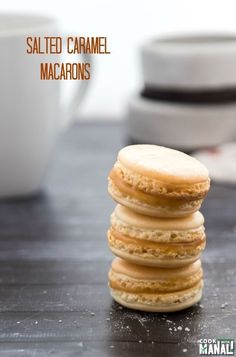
x=163 y=299
x=156 y=200
x=165 y=248
x=153 y=186
x=161 y=235
x=129 y=284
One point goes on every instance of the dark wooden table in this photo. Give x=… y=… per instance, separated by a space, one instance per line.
x=54 y=260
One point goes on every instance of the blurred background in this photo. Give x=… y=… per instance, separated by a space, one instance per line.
x=127 y=25
x=116 y=89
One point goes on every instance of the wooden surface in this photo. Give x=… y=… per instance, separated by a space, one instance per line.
x=54 y=260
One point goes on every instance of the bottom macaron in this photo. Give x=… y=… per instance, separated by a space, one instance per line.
x=155 y=289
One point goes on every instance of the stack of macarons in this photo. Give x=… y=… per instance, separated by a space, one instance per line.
x=157 y=231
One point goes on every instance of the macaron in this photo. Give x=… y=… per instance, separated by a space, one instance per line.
x=158 y=181
x=155 y=289
x=157 y=242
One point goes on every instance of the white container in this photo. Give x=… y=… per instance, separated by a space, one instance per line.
x=189 y=99
x=182 y=126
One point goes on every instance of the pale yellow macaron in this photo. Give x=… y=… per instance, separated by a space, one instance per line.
x=157 y=181
x=155 y=289
x=158 y=242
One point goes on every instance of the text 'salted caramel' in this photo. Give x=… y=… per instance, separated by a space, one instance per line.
x=71 y=45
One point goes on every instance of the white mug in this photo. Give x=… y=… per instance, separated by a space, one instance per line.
x=31 y=113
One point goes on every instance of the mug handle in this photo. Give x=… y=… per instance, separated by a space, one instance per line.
x=69 y=114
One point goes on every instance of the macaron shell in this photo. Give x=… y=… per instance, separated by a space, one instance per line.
x=163 y=164
x=123 y=267
x=140 y=279
x=159 y=302
x=162 y=230
x=131 y=218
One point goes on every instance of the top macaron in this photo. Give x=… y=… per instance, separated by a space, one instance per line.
x=158 y=181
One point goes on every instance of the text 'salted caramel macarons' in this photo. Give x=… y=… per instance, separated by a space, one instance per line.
x=158 y=242
x=157 y=181
x=155 y=289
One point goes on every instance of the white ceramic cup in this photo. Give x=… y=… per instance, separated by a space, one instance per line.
x=31 y=112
